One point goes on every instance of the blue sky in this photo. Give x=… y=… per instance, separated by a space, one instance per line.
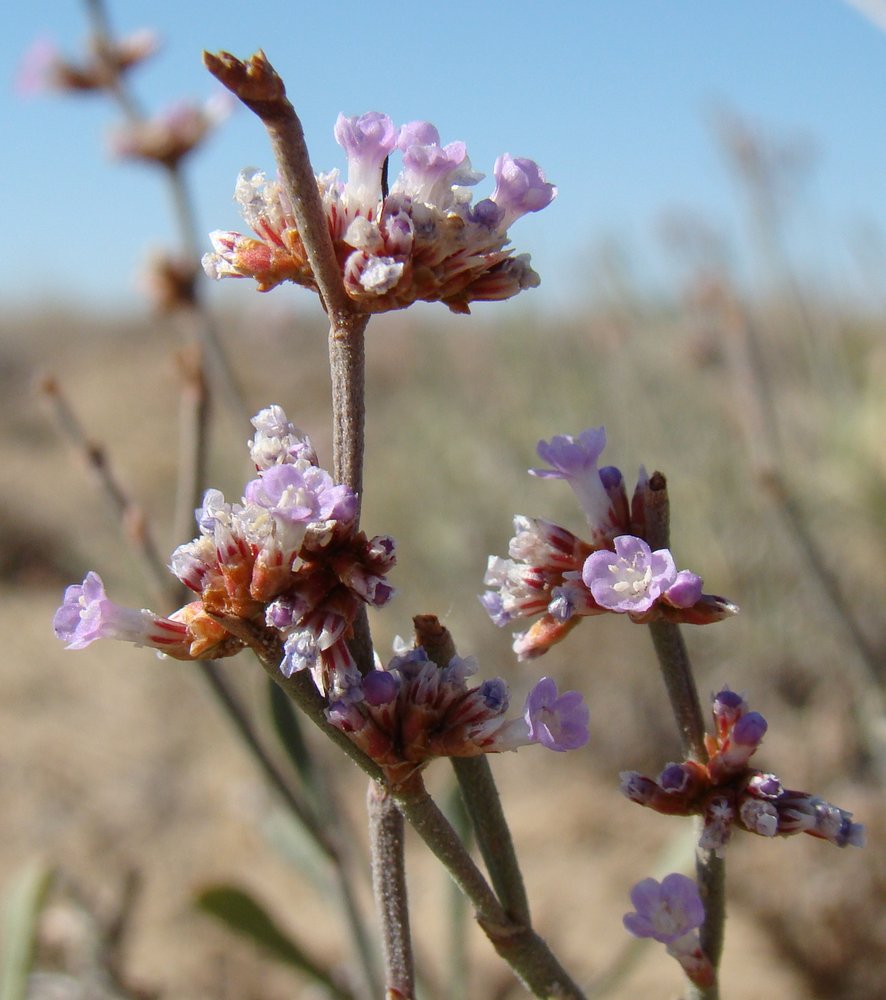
x=612 y=97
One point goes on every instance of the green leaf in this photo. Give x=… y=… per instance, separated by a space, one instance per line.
x=289 y=731
x=21 y=912
x=244 y=915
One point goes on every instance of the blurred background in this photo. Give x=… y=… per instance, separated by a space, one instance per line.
x=712 y=291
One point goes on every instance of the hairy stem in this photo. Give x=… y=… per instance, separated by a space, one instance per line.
x=386 y=830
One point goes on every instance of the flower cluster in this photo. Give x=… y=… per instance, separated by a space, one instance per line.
x=671 y=912
x=727 y=793
x=44 y=68
x=412 y=711
x=420 y=239
x=553 y=573
x=287 y=557
x=169 y=136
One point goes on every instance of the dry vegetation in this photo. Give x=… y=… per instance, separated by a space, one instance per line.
x=116 y=763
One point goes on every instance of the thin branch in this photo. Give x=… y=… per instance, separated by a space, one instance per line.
x=479 y=792
x=386 y=831
x=676 y=669
x=670 y=648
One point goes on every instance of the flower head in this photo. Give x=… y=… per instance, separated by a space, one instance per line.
x=563 y=577
x=44 y=68
x=286 y=561
x=168 y=137
x=419 y=240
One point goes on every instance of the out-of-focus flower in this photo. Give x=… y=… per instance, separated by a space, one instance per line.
x=287 y=558
x=563 y=578
x=168 y=282
x=728 y=794
x=171 y=135
x=671 y=912
x=420 y=240
x=43 y=68
x=413 y=711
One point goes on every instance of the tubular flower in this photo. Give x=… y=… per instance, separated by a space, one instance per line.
x=562 y=577
x=422 y=239
x=286 y=558
x=728 y=794
x=405 y=715
x=671 y=912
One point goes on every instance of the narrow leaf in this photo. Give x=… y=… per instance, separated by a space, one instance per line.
x=21 y=912
x=244 y=915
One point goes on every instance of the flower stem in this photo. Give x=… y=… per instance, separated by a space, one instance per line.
x=518 y=944
x=386 y=830
x=479 y=792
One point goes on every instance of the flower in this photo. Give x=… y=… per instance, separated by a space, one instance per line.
x=562 y=577
x=631 y=578
x=666 y=910
x=729 y=794
x=419 y=240
x=287 y=561
x=88 y=614
x=405 y=715
x=671 y=912
x=556 y=722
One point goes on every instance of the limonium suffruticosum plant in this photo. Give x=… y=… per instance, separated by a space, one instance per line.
x=287 y=572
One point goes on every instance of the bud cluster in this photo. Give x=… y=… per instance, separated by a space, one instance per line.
x=553 y=573
x=410 y=712
x=728 y=793
x=420 y=239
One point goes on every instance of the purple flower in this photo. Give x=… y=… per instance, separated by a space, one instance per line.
x=430 y=169
x=575 y=460
x=296 y=495
x=556 y=722
x=520 y=188
x=368 y=140
x=665 y=911
x=632 y=578
x=88 y=614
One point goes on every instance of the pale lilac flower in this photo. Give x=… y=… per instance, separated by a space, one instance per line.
x=575 y=460
x=520 y=188
x=556 y=722
x=88 y=614
x=665 y=911
x=632 y=578
x=368 y=140
x=671 y=912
